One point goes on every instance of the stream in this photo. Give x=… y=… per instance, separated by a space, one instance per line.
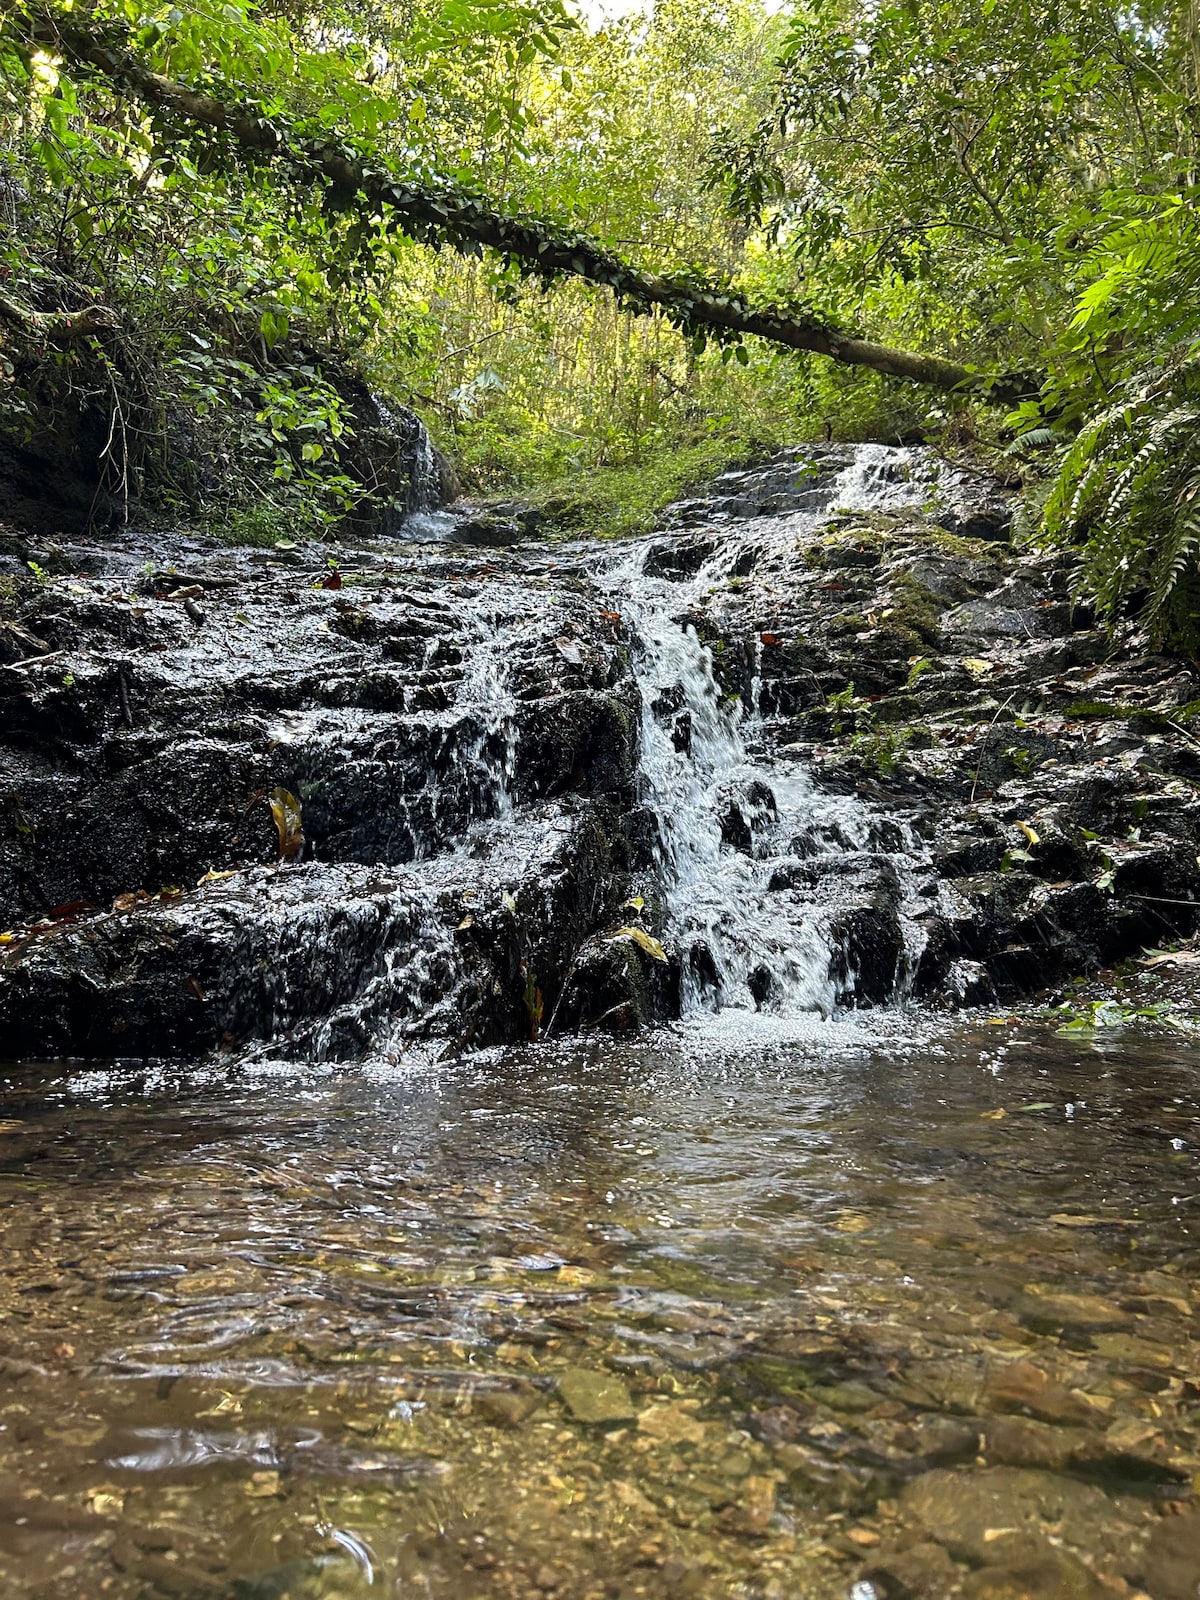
x=814 y=1293
x=665 y=1318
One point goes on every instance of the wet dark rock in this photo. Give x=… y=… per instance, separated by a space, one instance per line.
x=146 y=764
x=745 y=810
x=679 y=558
x=869 y=949
x=616 y=984
x=1028 y=807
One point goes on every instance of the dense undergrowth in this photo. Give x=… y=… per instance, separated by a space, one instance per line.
x=1011 y=190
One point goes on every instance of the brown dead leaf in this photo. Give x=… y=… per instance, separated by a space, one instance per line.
x=130 y=900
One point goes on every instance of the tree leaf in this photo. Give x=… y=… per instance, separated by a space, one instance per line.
x=285 y=809
x=644 y=941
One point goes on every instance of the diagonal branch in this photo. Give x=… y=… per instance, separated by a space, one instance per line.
x=439 y=212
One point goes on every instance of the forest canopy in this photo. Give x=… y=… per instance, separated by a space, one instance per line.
x=990 y=190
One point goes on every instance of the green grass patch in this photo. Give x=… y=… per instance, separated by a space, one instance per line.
x=618 y=502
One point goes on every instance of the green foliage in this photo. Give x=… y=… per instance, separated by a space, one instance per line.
x=1096 y=1016
x=881 y=750
x=1129 y=492
x=1003 y=185
x=618 y=501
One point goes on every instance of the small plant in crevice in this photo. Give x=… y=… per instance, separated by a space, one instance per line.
x=881 y=749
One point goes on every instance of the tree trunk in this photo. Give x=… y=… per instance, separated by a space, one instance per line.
x=442 y=213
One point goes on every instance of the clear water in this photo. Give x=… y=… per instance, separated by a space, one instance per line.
x=302 y=1333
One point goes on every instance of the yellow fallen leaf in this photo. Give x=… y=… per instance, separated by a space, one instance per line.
x=634 y=904
x=215 y=877
x=989 y=1534
x=993 y=1116
x=8 y=938
x=977 y=666
x=285 y=809
x=1029 y=832
x=644 y=941
x=106 y=1502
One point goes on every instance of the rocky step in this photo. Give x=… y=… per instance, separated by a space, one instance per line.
x=333 y=962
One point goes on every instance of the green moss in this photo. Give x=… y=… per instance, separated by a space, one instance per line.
x=954 y=544
x=915 y=610
x=776 y=1377
x=847 y=622
x=1081 y=710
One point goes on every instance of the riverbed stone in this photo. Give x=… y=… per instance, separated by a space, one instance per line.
x=1169 y=1566
x=973 y=1513
x=913 y=1571
x=1022 y=1387
x=1022 y=1442
x=594 y=1397
x=508 y=1408
x=1041 y=1573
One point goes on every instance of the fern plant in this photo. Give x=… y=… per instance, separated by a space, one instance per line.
x=1127 y=376
x=1128 y=493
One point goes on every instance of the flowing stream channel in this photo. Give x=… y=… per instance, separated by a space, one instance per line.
x=781 y=1303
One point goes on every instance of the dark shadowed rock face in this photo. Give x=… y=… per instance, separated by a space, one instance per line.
x=802 y=750
x=463 y=746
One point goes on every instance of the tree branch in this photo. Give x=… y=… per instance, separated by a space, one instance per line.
x=439 y=212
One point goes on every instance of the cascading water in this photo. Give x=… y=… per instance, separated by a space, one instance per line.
x=750 y=854
x=425 y=473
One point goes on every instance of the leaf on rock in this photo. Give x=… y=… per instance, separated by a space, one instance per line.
x=643 y=940
x=131 y=900
x=285 y=809
x=1030 y=832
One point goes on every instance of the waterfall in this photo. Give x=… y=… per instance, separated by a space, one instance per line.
x=425 y=472
x=750 y=854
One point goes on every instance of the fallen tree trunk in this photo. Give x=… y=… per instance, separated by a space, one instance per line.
x=445 y=213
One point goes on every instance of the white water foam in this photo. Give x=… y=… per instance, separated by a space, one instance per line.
x=747 y=946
